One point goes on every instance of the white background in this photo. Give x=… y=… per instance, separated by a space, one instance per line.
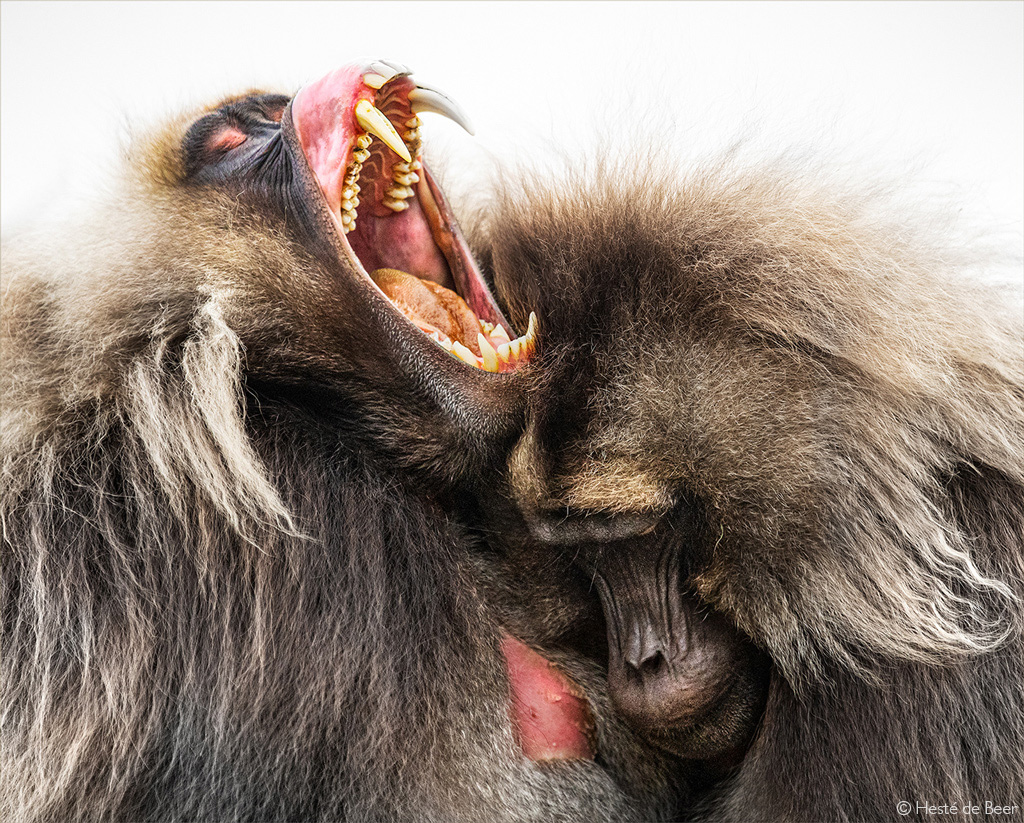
x=933 y=87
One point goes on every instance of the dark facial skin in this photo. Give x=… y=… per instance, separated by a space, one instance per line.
x=680 y=674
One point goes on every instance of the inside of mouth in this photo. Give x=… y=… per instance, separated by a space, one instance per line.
x=396 y=224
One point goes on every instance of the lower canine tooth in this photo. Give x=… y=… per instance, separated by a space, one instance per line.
x=464 y=354
x=490 y=356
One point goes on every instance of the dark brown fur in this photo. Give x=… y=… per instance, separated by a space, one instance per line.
x=842 y=405
x=232 y=588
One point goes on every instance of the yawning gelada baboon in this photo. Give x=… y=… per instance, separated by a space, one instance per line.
x=775 y=452
x=238 y=400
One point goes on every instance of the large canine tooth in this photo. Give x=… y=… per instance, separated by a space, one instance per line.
x=374 y=121
x=489 y=354
x=424 y=98
x=499 y=332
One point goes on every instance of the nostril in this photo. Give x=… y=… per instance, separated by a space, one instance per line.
x=652 y=664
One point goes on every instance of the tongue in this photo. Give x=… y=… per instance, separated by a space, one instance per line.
x=430 y=306
x=550 y=713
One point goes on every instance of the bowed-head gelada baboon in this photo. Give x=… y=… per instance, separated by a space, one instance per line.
x=775 y=449
x=238 y=398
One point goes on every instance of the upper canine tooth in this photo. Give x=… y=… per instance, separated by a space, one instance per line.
x=499 y=331
x=490 y=356
x=374 y=121
x=424 y=98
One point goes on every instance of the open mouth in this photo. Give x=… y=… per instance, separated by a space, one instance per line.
x=359 y=128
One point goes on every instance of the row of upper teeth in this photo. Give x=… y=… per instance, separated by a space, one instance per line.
x=493 y=357
x=407 y=146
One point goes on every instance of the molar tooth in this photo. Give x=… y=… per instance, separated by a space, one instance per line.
x=412 y=136
x=395 y=205
x=406 y=179
x=360 y=155
x=364 y=141
x=423 y=98
x=376 y=123
x=464 y=354
x=413 y=122
x=487 y=326
x=490 y=356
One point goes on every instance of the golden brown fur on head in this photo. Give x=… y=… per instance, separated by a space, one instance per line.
x=822 y=409
x=813 y=373
x=815 y=409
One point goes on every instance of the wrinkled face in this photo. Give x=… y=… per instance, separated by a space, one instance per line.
x=679 y=672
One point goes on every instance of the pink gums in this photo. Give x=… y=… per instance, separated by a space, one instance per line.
x=325 y=122
x=550 y=713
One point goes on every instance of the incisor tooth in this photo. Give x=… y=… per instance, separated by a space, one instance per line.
x=489 y=354
x=424 y=98
x=504 y=352
x=464 y=354
x=374 y=121
x=374 y=81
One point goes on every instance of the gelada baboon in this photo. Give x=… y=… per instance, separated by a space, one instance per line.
x=776 y=450
x=238 y=399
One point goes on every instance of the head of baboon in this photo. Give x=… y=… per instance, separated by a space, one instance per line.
x=740 y=458
x=308 y=229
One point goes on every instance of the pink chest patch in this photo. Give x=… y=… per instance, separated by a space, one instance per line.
x=550 y=713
